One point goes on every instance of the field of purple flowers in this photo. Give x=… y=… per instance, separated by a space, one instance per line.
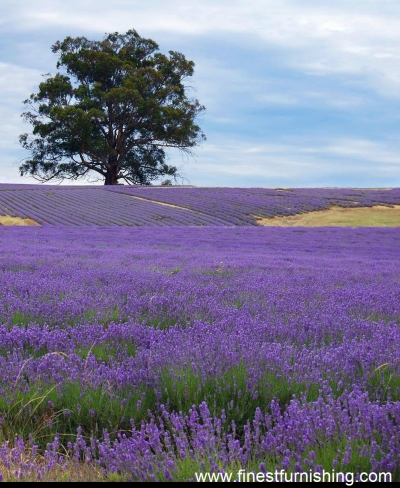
x=139 y=206
x=156 y=355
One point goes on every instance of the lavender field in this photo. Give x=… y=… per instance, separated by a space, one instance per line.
x=141 y=353
x=163 y=206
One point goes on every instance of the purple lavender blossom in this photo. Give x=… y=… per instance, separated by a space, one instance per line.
x=228 y=346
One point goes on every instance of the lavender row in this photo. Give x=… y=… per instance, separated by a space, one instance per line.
x=94 y=207
x=99 y=205
x=240 y=205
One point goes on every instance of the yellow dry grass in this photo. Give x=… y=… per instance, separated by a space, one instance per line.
x=8 y=220
x=377 y=216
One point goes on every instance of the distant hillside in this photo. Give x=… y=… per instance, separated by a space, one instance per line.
x=191 y=206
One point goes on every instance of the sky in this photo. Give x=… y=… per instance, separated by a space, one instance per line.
x=298 y=93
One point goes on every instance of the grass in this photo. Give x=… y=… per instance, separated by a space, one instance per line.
x=229 y=392
x=8 y=220
x=44 y=411
x=377 y=216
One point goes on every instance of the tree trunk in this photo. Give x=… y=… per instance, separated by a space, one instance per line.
x=111 y=176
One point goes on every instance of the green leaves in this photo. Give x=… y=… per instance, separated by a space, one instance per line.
x=119 y=105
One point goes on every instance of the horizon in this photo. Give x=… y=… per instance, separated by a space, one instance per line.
x=82 y=184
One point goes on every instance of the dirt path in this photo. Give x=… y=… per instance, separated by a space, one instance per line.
x=161 y=203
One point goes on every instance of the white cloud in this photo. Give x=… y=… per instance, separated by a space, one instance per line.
x=16 y=85
x=320 y=38
x=366 y=150
x=305 y=98
x=16 y=80
x=297 y=163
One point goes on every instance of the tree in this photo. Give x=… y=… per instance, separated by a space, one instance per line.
x=126 y=105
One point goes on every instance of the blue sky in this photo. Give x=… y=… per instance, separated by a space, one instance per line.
x=298 y=93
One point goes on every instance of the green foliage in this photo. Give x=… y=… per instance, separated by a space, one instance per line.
x=119 y=106
x=43 y=411
x=384 y=383
x=106 y=351
x=229 y=392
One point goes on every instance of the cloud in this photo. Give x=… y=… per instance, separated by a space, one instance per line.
x=296 y=163
x=15 y=80
x=327 y=73
x=16 y=84
x=353 y=38
x=366 y=150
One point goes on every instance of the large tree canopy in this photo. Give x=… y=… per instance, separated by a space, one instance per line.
x=117 y=108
